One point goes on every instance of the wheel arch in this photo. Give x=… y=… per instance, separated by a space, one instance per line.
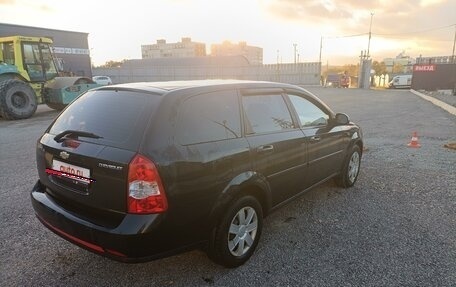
x=247 y=183
x=359 y=143
x=12 y=76
x=356 y=139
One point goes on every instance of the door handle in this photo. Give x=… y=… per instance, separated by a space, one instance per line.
x=315 y=139
x=264 y=148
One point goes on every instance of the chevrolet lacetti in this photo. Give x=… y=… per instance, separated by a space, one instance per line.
x=141 y=171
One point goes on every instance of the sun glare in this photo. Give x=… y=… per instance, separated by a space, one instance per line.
x=274 y=25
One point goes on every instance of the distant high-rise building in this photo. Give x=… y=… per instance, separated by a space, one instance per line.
x=253 y=54
x=183 y=49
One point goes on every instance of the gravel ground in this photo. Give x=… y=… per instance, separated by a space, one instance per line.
x=395 y=227
x=444 y=97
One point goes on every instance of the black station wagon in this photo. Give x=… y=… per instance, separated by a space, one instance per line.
x=140 y=171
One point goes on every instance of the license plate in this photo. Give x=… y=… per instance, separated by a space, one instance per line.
x=70 y=168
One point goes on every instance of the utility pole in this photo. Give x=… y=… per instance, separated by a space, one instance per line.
x=365 y=63
x=321 y=48
x=319 y=58
x=294 y=45
x=370 y=35
x=278 y=68
x=453 y=60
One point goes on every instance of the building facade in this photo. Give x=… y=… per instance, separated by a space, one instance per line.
x=184 y=49
x=71 y=49
x=436 y=60
x=253 y=54
x=431 y=76
x=406 y=62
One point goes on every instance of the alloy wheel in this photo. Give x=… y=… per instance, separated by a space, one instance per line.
x=243 y=230
x=353 y=167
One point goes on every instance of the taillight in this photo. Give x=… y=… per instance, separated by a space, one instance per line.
x=145 y=190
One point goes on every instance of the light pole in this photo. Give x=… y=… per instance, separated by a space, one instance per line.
x=321 y=47
x=294 y=45
x=453 y=60
x=370 y=35
x=454 y=44
x=278 y=69
x=319 y=58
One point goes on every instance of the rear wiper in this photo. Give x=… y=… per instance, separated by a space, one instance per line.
x=71 y=133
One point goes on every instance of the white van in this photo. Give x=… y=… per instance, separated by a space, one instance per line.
x=401 y=81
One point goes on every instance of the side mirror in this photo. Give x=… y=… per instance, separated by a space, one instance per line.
x=342 y=119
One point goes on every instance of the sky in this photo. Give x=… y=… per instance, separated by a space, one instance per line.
x=117 y=29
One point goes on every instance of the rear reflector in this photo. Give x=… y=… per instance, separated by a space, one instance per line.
x=90 y=246
x=145 y=190
x=72 y=238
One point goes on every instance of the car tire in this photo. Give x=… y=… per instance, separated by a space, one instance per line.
x=350 y=168
x=17 y=100
x=237 y=233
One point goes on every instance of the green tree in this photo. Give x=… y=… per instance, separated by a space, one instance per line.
x=379 y=68
x=333 y=70
x=352 y=70
x=112 y=64
x=398 y=68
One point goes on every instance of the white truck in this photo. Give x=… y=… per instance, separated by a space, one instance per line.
x=401 y=81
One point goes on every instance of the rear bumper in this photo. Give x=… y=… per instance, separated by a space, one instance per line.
x=137 y=238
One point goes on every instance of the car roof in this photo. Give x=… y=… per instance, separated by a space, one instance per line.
x=168 y=88
x=164 y=87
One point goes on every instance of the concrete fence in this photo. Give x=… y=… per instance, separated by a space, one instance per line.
x=300 y=73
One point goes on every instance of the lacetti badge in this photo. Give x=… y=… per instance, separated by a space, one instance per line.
x=110 y=166
x=64 y=155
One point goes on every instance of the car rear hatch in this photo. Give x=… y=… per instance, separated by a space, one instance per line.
x=83 y=157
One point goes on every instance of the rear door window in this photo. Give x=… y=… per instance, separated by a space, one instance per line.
x=119 y=117
x=266 y=113
x=209 y=117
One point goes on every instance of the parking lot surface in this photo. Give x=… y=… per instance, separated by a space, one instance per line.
x=395 y=227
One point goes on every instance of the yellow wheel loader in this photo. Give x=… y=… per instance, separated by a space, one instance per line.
x=28 y=76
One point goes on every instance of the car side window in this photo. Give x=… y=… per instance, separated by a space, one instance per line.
x=309 y=114
x=266 y=113
x=209 y=117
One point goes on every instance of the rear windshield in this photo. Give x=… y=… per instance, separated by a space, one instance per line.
x=119 y=117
